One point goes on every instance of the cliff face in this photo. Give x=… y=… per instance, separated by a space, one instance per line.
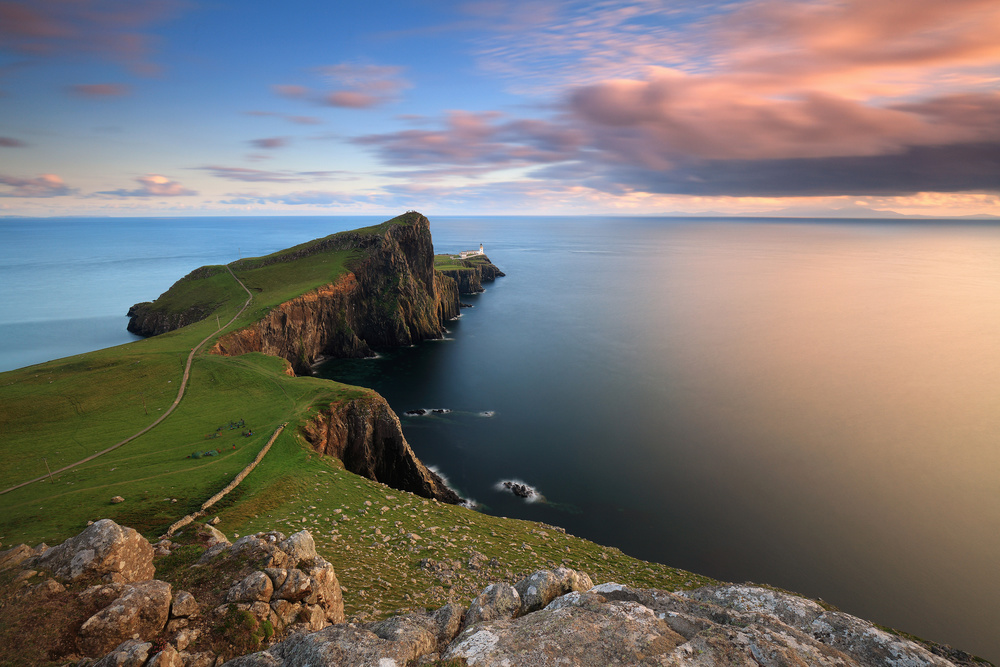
x=392 y=297
x=366 y=435
x=476 y=271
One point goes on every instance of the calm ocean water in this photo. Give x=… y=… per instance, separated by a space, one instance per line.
x=810 y=404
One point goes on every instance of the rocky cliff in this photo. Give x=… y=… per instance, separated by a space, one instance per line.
x=366 y=435
x=391 y=296
x=152 y=319
x=473 y=274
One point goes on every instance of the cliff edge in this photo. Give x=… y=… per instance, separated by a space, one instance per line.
x=366 y=435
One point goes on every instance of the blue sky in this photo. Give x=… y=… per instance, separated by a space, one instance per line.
x=169 y=107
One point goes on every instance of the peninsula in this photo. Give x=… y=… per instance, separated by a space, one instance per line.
x=334 y=519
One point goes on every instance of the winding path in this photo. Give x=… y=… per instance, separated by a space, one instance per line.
x=173 y=406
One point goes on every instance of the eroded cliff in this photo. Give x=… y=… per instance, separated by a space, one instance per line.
x=472 y=274
x=366 y=435
x=391 y=296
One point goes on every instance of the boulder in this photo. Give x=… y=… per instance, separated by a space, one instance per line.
x=168 y=657
x=576 y=629
x=449 y=621
x=418 y=631
x=544 y=586
x=335 y=646
x=130 y=653
x=141 y=610
x=256 y=586
x=14 y=556
x=103 y=549
x=299 y=546
x=184 y=605
x=496 y=601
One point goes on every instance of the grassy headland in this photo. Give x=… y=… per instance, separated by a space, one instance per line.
x=391 y=549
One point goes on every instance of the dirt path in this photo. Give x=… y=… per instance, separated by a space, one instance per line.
x=173 y=406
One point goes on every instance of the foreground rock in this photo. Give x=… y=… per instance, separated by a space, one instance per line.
x=268 y=600
x=610 y=624
x=245 y=596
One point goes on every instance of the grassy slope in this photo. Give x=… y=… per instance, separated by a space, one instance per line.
x=63 y=410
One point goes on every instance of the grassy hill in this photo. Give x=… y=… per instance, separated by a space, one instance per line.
x=379 y=539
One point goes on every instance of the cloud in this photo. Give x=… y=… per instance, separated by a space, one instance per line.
x=46 y=185
x=261 y=176
x=298 y=120
x=477 y=140
x=951 y=168
x=152 y=185
x=290 y=90
x=783 y=97
x=270 y=142
x=110 y=29
x=355 y=86
x=10 y=142
x=99 y=90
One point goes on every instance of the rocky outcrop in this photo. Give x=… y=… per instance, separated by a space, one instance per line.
x=610 y=624
x=151 y=318
x=474 y=273
x=105 y=549
x=260 y=589
x=268 y=600
x=366 y=435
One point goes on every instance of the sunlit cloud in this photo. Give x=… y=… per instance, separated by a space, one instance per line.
x=11 y=142
x=478 y=140
x=46 y=185
x=355 y=86
x=99 y=90
x=152 y=185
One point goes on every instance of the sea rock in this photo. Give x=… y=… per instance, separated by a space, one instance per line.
x=141 y=610
x=495 y=602
x=103 y=549
x=544 y=586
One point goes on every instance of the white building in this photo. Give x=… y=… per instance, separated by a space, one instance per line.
x=465 y=254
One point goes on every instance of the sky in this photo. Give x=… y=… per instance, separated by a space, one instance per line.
x=562 y=107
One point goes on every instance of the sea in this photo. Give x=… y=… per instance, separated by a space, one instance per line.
x=811 y=404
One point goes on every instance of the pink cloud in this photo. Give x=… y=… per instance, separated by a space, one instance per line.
x=99 y=90
x=46 y=185
x=153 y=185
x=290 y=90
x=111 y=29
x=270 y=142
x=10 y=142
x=261 y=176
x=478 y=141
x=363 y=86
